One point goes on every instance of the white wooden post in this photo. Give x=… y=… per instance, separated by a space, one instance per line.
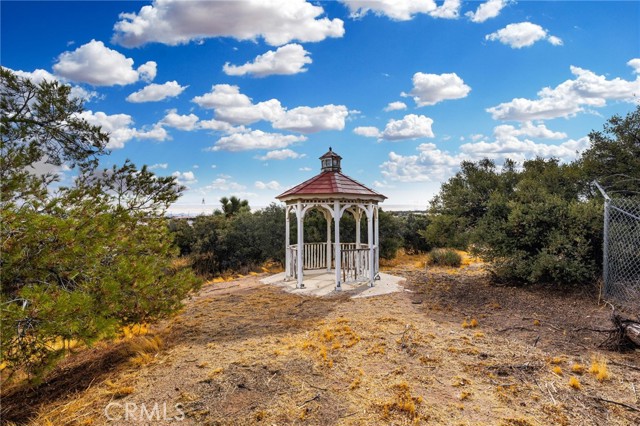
x=357 y=214
x=327 y=216
x=370 y=240
x=287 y=239
x=300 y=244
x=336 y=217
x=377 y=236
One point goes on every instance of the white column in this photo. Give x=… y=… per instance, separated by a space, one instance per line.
x=287 y=239
x=300 y=244
x=336 y=218
x=370 y=240
x=327 y=216
x=377 y=237
x=357 y=214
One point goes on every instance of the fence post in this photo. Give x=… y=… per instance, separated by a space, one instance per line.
x=605 y=250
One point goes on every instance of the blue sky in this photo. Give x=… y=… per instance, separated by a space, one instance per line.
x=242 y=97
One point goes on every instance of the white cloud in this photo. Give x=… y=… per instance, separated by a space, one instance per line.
x=273 y=185
x=431 y=164
x=522 y=34
x=395 y=106
x=96 y=64
x=520 y=150
x=367 y=131
x=224 y=183
x=450 y=9
x=540 y=131
x=148 y=71
x=410 y=127
x=182 y=122
x=185 y=178
x=281 y=154
x=402 y=10
x=157 y=132
x=234 y=107
x=176 y=22
x=635 y=64
x=220 y=126
x=119 y=127
x=159 y=166
x=568 y=98
x=487 y=10
x=286 y=60
x=429 y=89
x=255 y=139
x=312 y=119
x=157 y=92
x=305 y=169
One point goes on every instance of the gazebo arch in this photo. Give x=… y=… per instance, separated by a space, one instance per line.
x=333 y=193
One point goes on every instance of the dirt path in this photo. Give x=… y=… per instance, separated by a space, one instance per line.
x=452 y=350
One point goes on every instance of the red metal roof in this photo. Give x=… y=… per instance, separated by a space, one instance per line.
x=330 y=183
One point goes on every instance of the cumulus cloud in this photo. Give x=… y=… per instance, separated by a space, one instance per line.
x=255 y=139
x=569 y=98
x=176 y=22
x=280 y=154
x=224 y=183
x=96 y=64
x=367 y=131
x=635 y=64
x=233 y=107
x=429 y=89
x=119 y=127
x=402 y=10
x=433 y=164
x=148 y=71
x=236 y=108
x=185 y=178
x=410 y=127
x=487 y=10
x=522 y=34
x=395 y=106
x=177 y=121
x=527 y=128
x=430 y=164
x=157 y=92
x=286 y=60
x=273 y=185
x=312 y=119
x=159 y=166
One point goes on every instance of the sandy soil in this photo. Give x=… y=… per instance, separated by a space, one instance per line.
x=451 y=349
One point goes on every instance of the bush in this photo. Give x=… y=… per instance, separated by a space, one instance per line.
x=444 y=257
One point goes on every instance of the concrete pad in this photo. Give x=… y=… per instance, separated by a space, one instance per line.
x=322 y=283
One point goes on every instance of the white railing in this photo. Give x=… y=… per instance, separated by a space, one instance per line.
x=355 y=265
x=354 y=260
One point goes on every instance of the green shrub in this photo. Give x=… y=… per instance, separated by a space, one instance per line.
x=444 y=257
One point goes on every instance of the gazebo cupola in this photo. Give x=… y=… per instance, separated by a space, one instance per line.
x=333 y=193
x=330 y=162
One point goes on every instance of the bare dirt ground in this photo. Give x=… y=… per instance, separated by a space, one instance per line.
x=451 y=350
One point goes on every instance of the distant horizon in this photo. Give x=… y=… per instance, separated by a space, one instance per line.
x=179 y=209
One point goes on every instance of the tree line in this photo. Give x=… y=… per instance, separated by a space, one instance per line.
x=237 y=240
x=539 y=221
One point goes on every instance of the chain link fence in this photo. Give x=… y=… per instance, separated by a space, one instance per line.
x=621 y=267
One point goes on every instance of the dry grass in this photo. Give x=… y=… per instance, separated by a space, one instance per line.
x=241 y=353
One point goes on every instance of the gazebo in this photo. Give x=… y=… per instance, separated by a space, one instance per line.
x=333 y=193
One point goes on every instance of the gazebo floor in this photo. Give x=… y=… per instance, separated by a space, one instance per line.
x=322 y=283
